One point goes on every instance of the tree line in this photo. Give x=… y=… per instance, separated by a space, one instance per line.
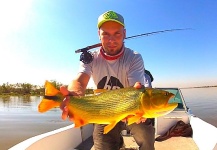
x=28 y=89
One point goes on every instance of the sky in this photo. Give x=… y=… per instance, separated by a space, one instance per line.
x=38 y=38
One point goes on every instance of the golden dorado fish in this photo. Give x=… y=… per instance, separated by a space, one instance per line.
x=112 y=106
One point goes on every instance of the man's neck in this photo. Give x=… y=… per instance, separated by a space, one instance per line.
x=109 y=57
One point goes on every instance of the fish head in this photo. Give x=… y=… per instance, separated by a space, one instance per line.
x=154 y=102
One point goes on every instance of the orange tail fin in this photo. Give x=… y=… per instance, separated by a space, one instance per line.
x=50 y=90
x=47 y=104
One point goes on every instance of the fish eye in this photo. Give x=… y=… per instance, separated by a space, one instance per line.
x=166 y=93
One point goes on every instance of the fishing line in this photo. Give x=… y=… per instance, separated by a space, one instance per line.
x=87 y=57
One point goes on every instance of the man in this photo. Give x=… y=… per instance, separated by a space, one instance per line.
x=114 y=66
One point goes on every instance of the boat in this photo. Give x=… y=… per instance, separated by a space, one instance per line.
x=204 y=135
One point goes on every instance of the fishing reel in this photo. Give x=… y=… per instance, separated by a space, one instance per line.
x=86 y=56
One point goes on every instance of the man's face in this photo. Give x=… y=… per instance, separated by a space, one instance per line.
x=112 y=35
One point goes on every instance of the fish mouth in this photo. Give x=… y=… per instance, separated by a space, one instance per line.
x=171 y=96
x=164 y=111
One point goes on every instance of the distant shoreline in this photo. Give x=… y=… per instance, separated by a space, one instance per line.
x=15 y=94
x=88 y=91
x=199 y=87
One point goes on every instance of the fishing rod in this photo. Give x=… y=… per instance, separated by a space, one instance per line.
x=87 y=57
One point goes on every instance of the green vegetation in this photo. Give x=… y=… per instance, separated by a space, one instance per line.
x=28 y=89
x=21 y=89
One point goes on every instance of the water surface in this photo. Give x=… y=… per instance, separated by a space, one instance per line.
x=203 y=103
x=20 y=120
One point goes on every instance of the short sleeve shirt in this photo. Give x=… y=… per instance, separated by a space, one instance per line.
x=114 y=74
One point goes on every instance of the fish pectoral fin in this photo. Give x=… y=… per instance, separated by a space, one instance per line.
x=98 y=91
x=109 y=127
x=46 y=105
x=133 y=119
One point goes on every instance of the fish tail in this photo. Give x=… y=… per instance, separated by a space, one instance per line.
x=50 y=90
x=47 y=104
x=51 y=94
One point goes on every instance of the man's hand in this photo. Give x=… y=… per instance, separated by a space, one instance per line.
x=64 y=105
x=137 y=85
x=65 y=102
x=76 y=88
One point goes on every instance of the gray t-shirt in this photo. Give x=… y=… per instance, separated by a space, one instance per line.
x=115 y=74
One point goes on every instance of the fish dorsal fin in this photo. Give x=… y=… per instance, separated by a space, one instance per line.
x=98 y=91
x=47 y=104
x=50 y=90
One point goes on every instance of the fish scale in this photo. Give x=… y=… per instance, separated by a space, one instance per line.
x=102 y=105
x=112 y=106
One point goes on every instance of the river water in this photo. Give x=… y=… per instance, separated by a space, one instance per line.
x=20 y=120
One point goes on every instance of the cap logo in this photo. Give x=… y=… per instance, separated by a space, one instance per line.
x=110 y=15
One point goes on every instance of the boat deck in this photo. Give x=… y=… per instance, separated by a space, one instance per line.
x=174 y=143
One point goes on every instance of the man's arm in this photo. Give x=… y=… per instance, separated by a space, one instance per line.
x=79 y=84
x=136 y=70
